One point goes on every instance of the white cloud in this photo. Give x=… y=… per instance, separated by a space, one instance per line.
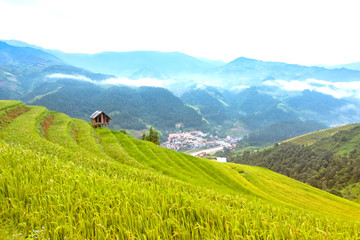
x=139 y=82
x=239 y=88
x=349 y=107
x=112 y=81
x=336 y=89
x=200 y=86
x=69 y=76
x=332 y=92
x=289 y=85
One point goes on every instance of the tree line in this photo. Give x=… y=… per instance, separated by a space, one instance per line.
x=319 y=167
x=151 y=136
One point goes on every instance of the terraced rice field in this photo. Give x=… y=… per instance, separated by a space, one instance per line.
x=60 y=178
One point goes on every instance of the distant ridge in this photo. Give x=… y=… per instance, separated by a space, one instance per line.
x=125 y=63
x=253 y=72
x=25 y=55
x=353 y=66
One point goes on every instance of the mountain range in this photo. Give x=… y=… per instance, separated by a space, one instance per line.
x=245 y=71
x=22 y=69
x=126 y=64
x=245 y=92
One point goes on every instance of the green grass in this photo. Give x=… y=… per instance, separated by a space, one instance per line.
x=310 y=138
x=77 y=182
x=7 y=104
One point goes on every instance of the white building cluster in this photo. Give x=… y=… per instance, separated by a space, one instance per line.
x=197 y=139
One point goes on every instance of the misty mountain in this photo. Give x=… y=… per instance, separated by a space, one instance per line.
x=181 y=67
x=257 y=109
x=252 y=92
x=17 y=43
x=251 y=72
x=148 y=73
x=353 y=66
x=254 y=109
x=127 y=63
x=215 y=63
x=39 y=78
x=323 y=108
x=25 y=56
x=23 y=68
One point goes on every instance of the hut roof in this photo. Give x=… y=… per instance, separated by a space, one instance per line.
x=97 y=113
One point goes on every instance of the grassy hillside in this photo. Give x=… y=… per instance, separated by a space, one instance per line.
x=60 y=178
x=310 y=138
x=327 y=159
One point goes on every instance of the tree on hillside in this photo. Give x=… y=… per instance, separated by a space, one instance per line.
x=151 y=136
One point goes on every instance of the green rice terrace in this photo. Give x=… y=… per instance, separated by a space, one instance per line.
x=62 y=179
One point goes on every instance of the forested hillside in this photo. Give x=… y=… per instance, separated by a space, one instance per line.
x=129 y=108
x=259 y=107
x=62 y=179
x=330 y=163
x=279 y=131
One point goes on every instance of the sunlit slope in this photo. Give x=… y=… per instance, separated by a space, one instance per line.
x=60 y=177
x=233 y=177
x=341 y=140
x=310 y=138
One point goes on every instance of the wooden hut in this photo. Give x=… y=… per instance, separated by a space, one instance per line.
x=100 y=119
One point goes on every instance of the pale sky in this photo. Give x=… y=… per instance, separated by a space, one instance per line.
x=293 y=31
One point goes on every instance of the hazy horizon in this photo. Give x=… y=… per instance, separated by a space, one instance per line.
x=299 y=32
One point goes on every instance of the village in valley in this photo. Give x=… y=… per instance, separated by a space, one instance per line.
x=195 y=143
x=198 y=143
